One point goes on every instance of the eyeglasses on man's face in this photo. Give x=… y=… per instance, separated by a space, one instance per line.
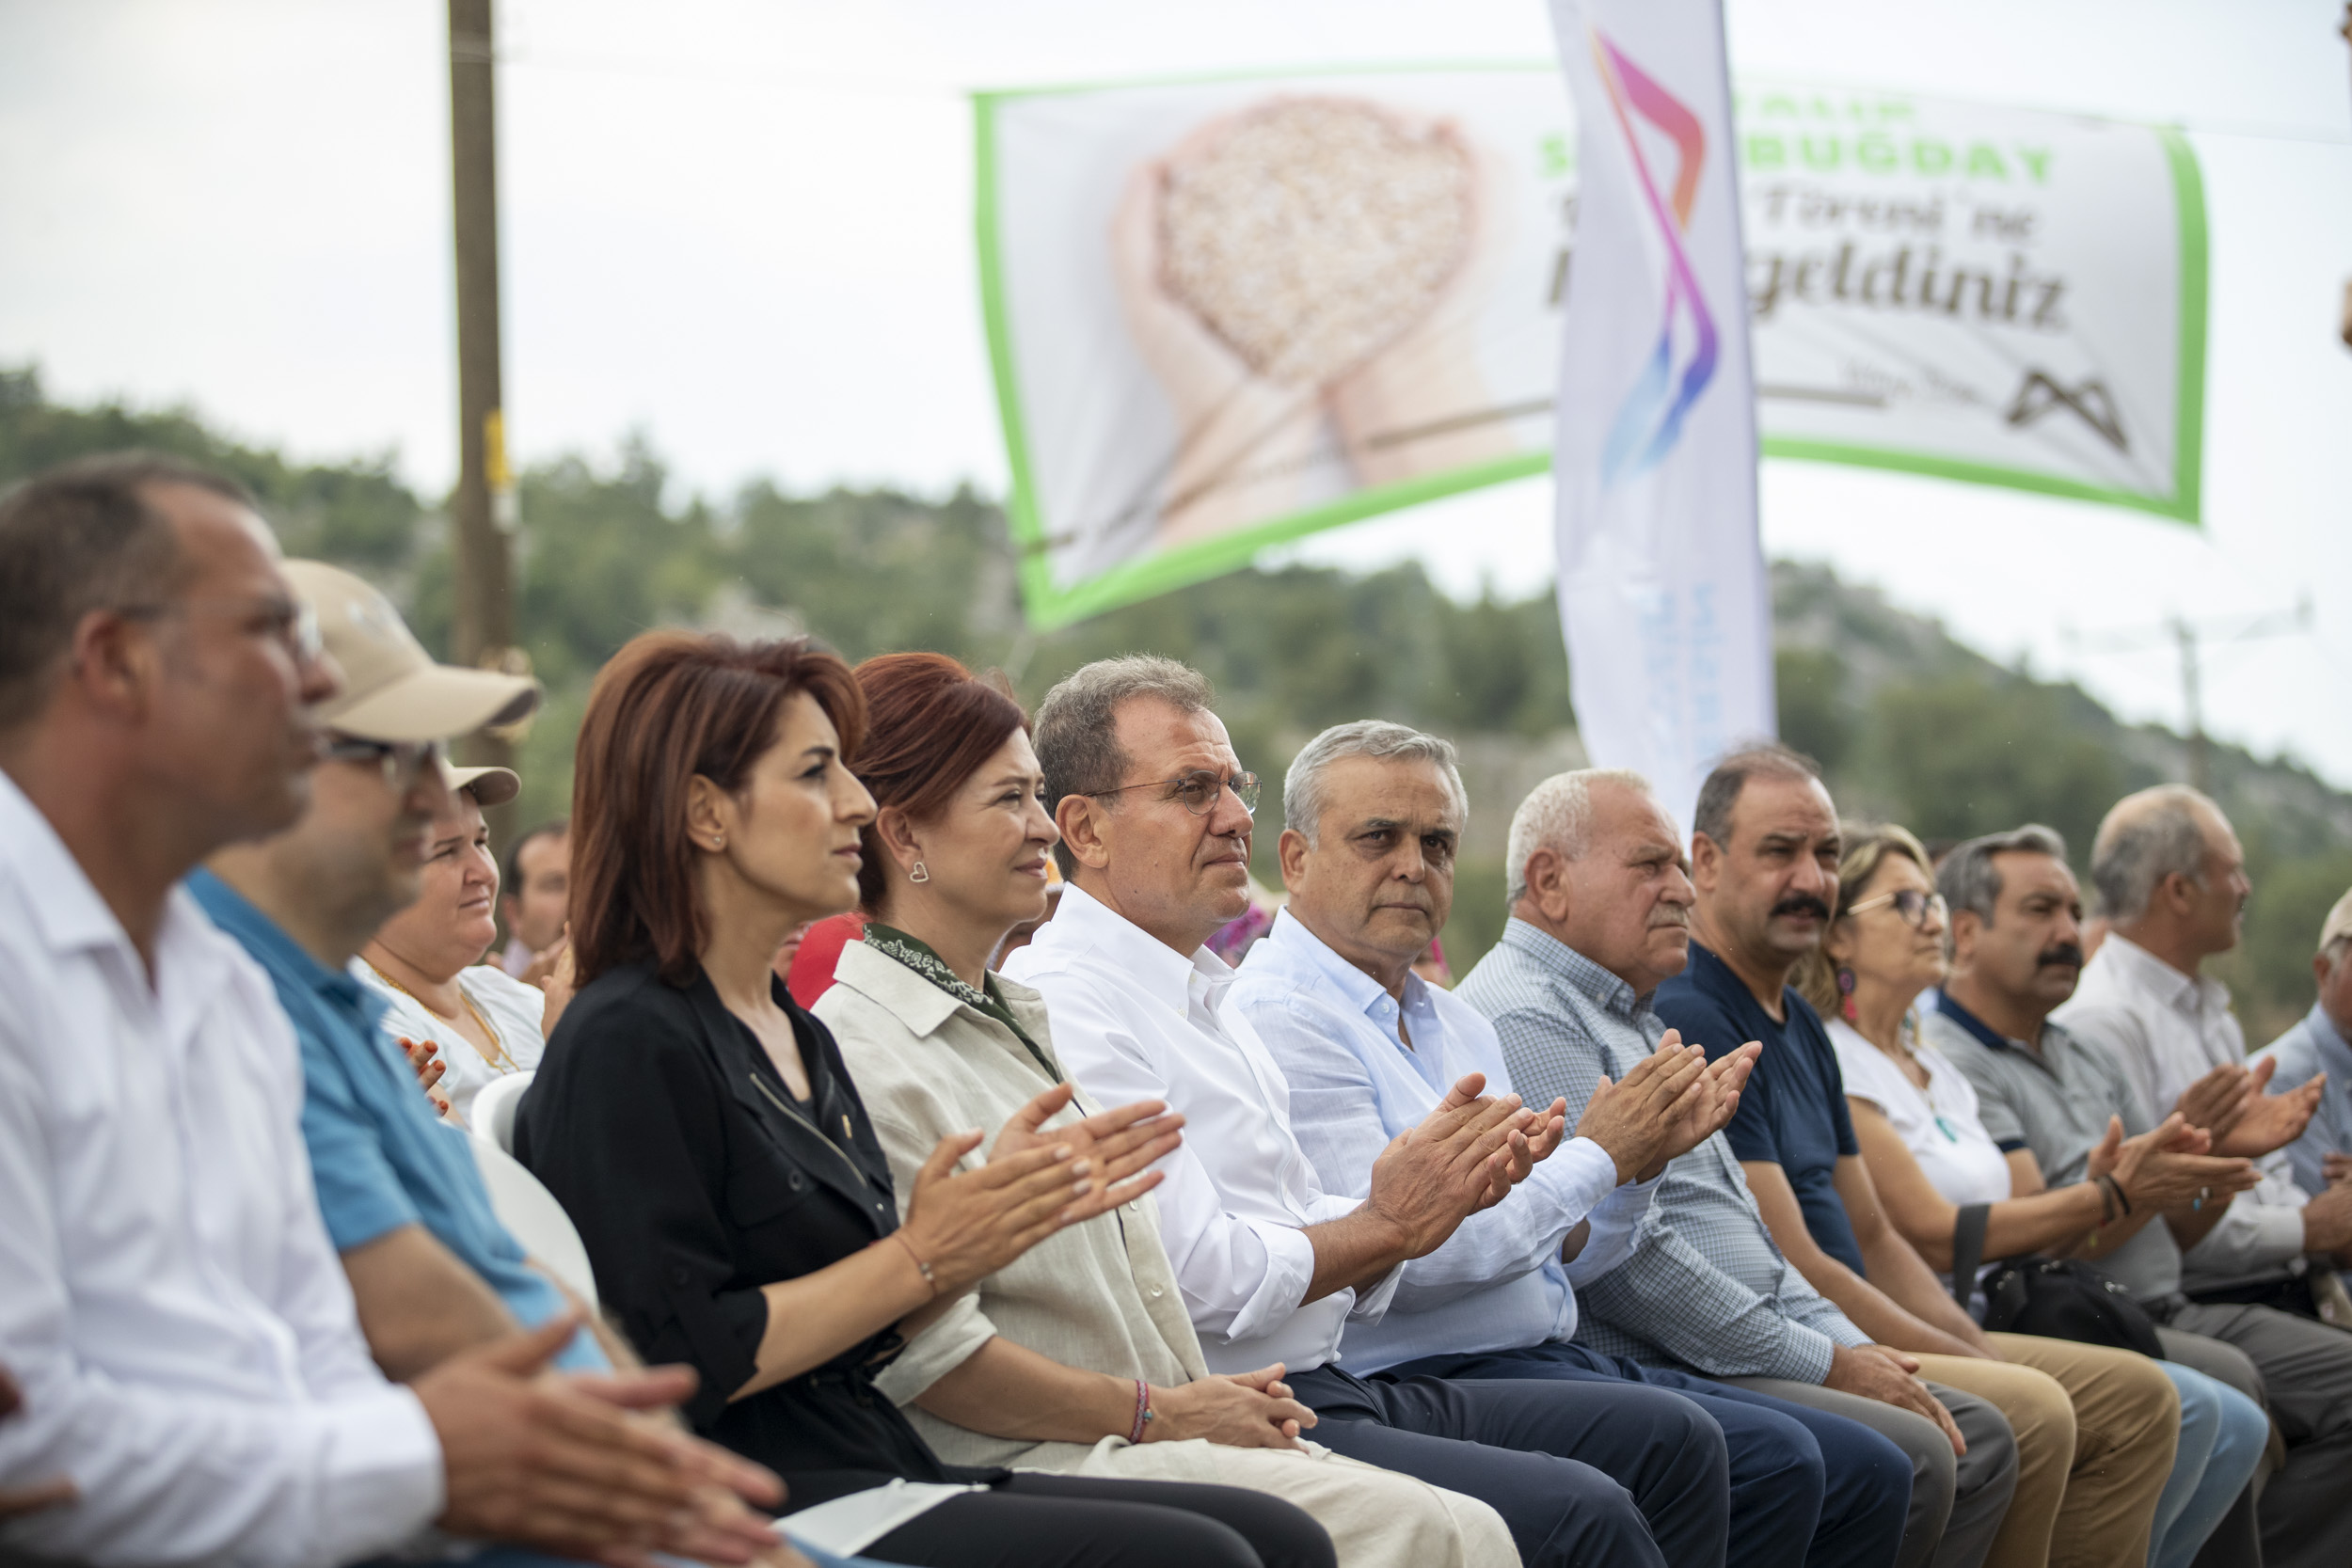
x=400 y=761
x=1197 y=791
x=1914 y=906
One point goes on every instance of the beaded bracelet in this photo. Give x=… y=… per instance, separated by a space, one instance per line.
x=924 y=1269
x=1145 y=1414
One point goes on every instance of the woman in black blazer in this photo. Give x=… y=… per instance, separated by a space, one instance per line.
x=701 y=1131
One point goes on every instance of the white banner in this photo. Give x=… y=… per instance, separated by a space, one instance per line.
x=1663 y=591
x=1225 y=314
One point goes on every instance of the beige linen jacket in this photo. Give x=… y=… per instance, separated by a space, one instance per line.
x=1100 y=1296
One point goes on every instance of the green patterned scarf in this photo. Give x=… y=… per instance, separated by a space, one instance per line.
x=918 y=955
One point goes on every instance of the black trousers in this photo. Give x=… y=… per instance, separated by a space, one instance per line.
x=1615 y=1474
x=1041 y=1521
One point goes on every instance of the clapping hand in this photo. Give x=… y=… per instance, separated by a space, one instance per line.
x=1457 y=1161
x=1118 y=1143
x=2271 y=1122
x=1635 y=1119
x=423 y=1060
x=1703 y=1117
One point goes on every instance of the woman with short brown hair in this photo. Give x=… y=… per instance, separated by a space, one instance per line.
x=702 y=1132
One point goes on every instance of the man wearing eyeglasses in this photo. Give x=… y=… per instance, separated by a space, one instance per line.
x=1154 y=811
x=434 y=1273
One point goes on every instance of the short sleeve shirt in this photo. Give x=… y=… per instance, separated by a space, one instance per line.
x=1941 y=1127
x=1793 y=1112
x=380 y=1158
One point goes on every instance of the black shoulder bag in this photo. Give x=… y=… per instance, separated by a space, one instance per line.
x=2054 y=1298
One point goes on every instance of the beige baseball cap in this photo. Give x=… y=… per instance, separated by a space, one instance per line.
x=2338 y=923
x=393 y=689
x=491 y=787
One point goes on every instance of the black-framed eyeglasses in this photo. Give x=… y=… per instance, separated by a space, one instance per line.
x=1197 y=791
x=401 y=760
x=1910 y=903
x=292 y=622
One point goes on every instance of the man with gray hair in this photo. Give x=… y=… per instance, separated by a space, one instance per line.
x=2054 y=1101
x=1375 y=815
x=2322 y=1042
x=1603 y=922
x=2172 y=879
x=1154 y=811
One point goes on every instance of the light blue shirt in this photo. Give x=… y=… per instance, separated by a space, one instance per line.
x=2316 y=1045
x=1498 y=1283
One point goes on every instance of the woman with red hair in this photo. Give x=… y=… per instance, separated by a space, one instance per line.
x=703 y=1136
x=1078 y=1356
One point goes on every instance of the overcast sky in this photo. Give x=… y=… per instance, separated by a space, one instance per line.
x=746 y=229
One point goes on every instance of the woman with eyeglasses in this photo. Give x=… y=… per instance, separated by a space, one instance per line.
x=706 y=1140
x=1085 y=1337
x=446 y=1006
x=1915 y=1116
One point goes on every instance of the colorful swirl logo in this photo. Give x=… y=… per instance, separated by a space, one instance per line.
x=1650 y=422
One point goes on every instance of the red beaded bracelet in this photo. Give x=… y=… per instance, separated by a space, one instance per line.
x=1145 y=1414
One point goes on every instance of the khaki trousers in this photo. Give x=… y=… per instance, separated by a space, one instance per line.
x=2096 y=1429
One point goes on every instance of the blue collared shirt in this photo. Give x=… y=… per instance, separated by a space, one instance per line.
x=1497 y=1282
x=379 y=1157
x=2315 y=1044
x=1704 y=1287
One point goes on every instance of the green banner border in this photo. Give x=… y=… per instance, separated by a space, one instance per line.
x=1048 y=608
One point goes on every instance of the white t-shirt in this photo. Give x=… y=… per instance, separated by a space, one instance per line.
x=513 y=1009
x=1940 y=1127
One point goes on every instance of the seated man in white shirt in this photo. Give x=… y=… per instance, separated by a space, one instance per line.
x=1373 y=816
x=2172 y=881
x=181 y=1329
x=1153 y=808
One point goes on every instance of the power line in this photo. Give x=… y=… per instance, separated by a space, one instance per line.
x=2191 y=639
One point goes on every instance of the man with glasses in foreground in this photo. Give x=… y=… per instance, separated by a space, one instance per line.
x=168 y=1299
x=433 y=1272
x=1155 y=813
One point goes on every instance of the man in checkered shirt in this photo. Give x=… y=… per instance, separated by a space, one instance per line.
x=1600 y=900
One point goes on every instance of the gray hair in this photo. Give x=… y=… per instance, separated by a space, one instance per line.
x=2147 y=838
x=1077 y=724
x=1557 y=815
x=1302 y=787
x=83 y=536
x=1968 y=880
x=1731 y=775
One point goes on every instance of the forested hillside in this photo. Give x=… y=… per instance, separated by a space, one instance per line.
x=1910 y=726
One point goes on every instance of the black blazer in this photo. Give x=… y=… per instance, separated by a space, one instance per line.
x=694 y=1178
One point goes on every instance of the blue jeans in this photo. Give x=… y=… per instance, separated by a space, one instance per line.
x=1806 y=1486
x=2222 y=1435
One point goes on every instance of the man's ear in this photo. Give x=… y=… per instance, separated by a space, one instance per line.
x=1547 y=884
x=1080 y=817
x=1966 y=924
x=114 y=663
x=1293 y=850
x=1706 y=862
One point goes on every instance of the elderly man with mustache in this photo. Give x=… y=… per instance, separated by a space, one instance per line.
x=2047 y=1097
x=1374 y=817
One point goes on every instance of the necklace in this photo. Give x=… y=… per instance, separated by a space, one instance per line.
x=498 y=1059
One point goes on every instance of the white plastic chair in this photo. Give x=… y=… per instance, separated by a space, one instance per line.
x=492 y=1114
x=528 y=1209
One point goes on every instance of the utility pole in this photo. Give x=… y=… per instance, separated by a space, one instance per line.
x=484 y=514
x=2188 y=639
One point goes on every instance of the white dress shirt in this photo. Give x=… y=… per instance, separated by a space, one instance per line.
x=168 y=1301
x=2167 y=1030
x=1356 y=1084
x=1135 y=1020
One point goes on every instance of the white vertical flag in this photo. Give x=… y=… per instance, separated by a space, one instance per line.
x=1663 y=594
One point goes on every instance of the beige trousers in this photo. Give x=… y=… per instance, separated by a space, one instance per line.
x=2096 y=1429
x=1376 y=1518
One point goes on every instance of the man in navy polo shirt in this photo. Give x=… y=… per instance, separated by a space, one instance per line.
x=1764 y=856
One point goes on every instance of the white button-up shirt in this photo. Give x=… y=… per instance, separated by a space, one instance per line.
x=2167 y=1030
x=1135 y=1020
x=1497 y=1282
x=183 y=1331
